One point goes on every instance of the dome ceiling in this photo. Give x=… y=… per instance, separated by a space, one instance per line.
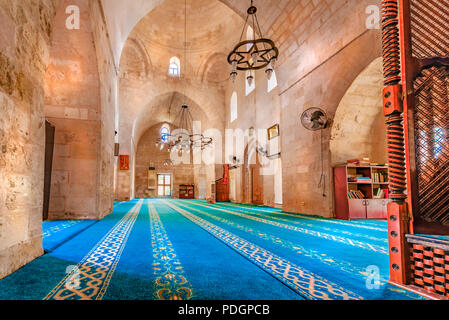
x=212 y=31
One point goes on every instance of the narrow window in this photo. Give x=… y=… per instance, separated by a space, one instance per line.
x=234 y=107
x=165 y=134
x=273 y=82
x=174 y=68
x=249 y=36
x=250 y=83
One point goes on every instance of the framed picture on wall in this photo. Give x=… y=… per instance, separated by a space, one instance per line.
x=124 y=162
x=273 y=132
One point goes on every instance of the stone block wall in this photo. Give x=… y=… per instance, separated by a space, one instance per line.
x=24 y=54
x=108 y=76
x=72 y=105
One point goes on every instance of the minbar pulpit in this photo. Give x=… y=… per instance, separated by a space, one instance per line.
x=222 y=186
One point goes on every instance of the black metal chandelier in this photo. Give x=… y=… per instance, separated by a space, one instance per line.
x=182 y=139
x=254 y=54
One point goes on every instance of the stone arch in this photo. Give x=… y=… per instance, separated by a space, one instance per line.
x=208 y=70
x=359 y=128
x=141 y=54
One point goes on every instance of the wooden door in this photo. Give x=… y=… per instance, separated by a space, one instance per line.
x=257 y=188
x=49 y=147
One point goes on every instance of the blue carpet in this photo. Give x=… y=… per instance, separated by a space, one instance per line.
x=343 y=254
x=162 y=250
x=56 y=233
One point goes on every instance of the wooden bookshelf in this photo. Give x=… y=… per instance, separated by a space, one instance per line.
x=361 y=192
x=186 y=192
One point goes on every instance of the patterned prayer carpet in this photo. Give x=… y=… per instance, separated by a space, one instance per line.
x=188 y=249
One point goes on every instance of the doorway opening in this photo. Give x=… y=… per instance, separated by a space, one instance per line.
x=49 y=147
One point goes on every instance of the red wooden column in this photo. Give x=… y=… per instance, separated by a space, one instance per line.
x=396 y=118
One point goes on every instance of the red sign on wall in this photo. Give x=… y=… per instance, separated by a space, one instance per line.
x=124 y=163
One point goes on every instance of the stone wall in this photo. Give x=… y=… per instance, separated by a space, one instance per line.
x=81 y=103
x=108 y=75
x=72 y=105
x=303 y=149
x=24 y=55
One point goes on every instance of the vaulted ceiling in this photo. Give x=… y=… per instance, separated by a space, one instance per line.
x=212 y=31
x=283 y=20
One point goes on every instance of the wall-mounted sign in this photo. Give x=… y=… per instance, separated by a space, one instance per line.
x=124 y=162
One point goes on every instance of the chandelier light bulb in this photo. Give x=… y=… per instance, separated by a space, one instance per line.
x=250 y=79
x=233 y=76
x=273 y=62
x=269 y=73
x=234 y=65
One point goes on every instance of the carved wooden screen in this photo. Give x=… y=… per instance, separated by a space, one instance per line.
x=430 y=47
x=432 y=144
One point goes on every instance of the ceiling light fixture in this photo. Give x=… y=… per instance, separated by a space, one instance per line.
x=254 y=54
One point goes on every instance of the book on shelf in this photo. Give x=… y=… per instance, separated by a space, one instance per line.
x=356 y=194
x=380 y=194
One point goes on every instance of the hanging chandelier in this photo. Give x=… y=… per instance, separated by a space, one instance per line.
x=182 y=138
x=254 y=54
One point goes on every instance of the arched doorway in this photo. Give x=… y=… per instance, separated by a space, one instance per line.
x=252 y=182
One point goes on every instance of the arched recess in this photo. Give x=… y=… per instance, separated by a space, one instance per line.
x=162 y=109
x=136 y=60
x=252 y=180
x=210 y=70
x=359 y=129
